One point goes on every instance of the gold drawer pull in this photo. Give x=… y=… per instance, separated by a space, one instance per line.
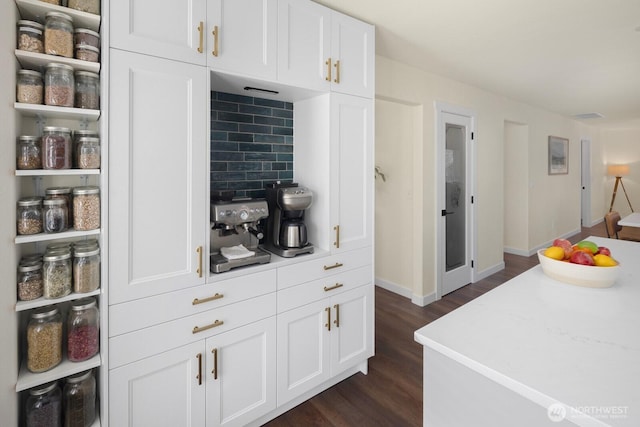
x=328 y=64
x=337 y=65
x=215 y=324
x=214 y=371
x=199 y=252
x=197 y=301
x=337 y=242
x=330 y=267
x=201 y=35
x=215 y=40
x=330 y=288
x=337 y=321
x=328 y=324
x=199 y=377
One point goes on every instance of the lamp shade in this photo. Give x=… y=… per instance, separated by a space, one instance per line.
x=618 y=170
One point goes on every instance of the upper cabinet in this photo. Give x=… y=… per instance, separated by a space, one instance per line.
x=322 y=49
x=241 y=37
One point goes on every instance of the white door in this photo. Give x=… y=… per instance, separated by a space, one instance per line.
x=158 y=119
x=585 y=178
x=174 y=30
x=241 y=374
x=455 y=192
x=245 y=37
x=166 y=390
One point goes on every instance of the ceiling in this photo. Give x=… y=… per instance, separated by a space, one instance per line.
x=566 y=56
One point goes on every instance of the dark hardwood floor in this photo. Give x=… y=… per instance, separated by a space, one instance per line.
x=391 y=393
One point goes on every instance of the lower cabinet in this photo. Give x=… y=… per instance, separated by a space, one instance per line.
x=319 y=340
x=224 y=380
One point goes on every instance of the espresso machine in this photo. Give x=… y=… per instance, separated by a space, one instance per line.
x=236 y=233
x=286 y=232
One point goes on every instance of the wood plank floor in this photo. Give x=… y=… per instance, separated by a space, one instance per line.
x=391 y=393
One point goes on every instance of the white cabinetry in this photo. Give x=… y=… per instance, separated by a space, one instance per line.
x=322 y=49
x=158 y=218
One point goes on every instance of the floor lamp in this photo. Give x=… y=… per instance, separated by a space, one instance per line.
x=618 y=171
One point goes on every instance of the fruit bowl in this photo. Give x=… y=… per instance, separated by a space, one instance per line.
x=576 y=274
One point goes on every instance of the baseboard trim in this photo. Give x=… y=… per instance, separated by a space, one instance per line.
x=488 y=272
x=393 y=287
x=530 y=252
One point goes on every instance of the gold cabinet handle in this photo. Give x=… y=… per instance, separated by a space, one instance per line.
x=197 y=301
x=201 y=35
x=215 y=324
x=214 y=371
x=328 y=64
x=337 y=321
x=199 y=270
x=337 y=65
x=330 y=288
x=199 y=357
x=337 y=242
x=331 y=267
x=328 y=324
x=215 y=40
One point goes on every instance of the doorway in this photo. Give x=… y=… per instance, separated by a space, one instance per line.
x=455 y=166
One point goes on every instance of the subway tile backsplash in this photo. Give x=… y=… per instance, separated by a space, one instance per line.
x=251 y=143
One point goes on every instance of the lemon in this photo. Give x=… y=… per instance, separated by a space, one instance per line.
x=604 y=261
x=555 y=252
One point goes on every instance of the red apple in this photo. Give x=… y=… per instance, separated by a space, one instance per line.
x=583 y=258
x=566 y=245
x=604 y=251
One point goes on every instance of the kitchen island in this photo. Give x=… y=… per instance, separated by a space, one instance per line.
x=536 y=352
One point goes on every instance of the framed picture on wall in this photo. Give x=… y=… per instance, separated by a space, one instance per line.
x=558 y=155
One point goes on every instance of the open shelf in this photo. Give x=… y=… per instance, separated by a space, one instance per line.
x=36 y=10
x=50 y=111
x=41 y=302
x=56 y=172
x=27 y=379
x=34 y=60
x=42 y=237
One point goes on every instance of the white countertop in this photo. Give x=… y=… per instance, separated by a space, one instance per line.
x=553 y=342
x=632 y=220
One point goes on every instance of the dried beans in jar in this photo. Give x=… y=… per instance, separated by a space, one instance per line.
x=86 y=208
x=58 y=34
x=56 y=148
x=82 y=330
x=44 y=406
x=28 y=152
x=44 y=339
x=59 y=85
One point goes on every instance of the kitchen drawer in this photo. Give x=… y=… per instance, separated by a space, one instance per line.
x=127 y=348
x=319 y=268
x=296 y=296
x=133 y=315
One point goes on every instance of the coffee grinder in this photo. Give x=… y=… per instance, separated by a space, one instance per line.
x=286 y=232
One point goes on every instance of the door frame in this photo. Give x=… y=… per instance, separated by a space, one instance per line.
x=585 y=182
x=440 y=202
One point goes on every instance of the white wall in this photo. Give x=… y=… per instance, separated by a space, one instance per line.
x=516 y=195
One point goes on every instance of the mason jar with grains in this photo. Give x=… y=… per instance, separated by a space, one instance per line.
x=44 y=339
x=29 y=87
x=89 y=6
x=44 y=406
x=58 y=34
x=88 y=153
x=56 y=274
x=87 y=90
x=29 y=281
x=28 y=152
x=83 y=330
x=59 y=85
x=86 y=208
x=55 y=215
x=86 y=268
x=56 y=147
x=30 y=36
x=29 y=215
x=80 y=400
x=63 y=193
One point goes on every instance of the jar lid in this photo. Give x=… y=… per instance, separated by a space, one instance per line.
x=83 y=304
x=23 y=268
x=87 y=73
x=30 y=30
x=87 y=31
x=27 y=23
x=89 y=139
x=49 y=129
x=30 y=201
x=86 y=190
x=30 y=73
x=27 y=139
x=53 y=65
x=79 y=377
x=58 y=15
x=28 y=259
x=58 y=245
x=57 y=190
x=84 y=132
x=46 y=388
x=87 y=47
x=86 y=243
x=57 y=255
x=44 y=312
x=83 y=251
x=54 y=202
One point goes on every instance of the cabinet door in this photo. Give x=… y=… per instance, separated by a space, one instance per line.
x=243 y=386
x=163 y=390
x=303 y=352
x=351 y=180
x=304 y=44
x=174 y=30
x=352 y=54
x=157 y=190
x=353 y=331
x=245 y=39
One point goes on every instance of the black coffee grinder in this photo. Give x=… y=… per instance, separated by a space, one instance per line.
x=286 y=232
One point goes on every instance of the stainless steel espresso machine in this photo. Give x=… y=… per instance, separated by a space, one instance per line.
x=236 y=233
x=286 y=232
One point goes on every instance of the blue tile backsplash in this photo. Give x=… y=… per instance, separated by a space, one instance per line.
x=251 y=143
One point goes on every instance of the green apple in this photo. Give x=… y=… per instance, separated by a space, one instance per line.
x=585 y=244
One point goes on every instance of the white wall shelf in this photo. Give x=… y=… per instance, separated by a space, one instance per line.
x=56 y=172
x=36 y=10
x=41 y=302
x=49 y=111
x=27 y=379
x=42 y=237
x=33 y=60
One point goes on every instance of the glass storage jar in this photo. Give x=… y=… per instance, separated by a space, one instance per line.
x=44 y=339
x=59 y=246
x=58 y=34
x=31 y=259
x=80 y=400
x=56 y=148
x=44 y=406
x=29 y=87
x=63 y=193
x=89 y=6
x=87 y=92
x=77 y=134
x=28 y=154
x=30 y=36
x=56 y=274
x=84 y=52
x=86 y=208
x=56 y=2
x=29 y=281
x=86 y=268
x=59 y=85
x=55 y=214
x=84 y=36
x=29 y=215
x=88 y=153
x=82 y=330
